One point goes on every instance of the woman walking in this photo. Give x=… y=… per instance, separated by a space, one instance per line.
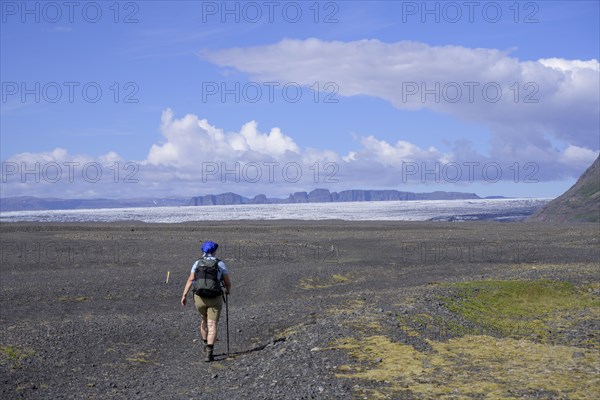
x=208 y=277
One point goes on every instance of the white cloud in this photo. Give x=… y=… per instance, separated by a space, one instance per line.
x=274 y=143
x=196 y=158
x=551 y=96
x=372 y=163
x=570 y=65
x=58 y=155
x=191 y=140
x=58 y=173
x=579 y=156
x=393 y=155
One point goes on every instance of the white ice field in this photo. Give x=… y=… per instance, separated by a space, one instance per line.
x=418 y=210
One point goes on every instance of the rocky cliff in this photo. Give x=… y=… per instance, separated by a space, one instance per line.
x=325 y=196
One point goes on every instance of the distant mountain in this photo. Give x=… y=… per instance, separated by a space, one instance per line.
x=325 y=196
x=581 y=203
x=27 y=203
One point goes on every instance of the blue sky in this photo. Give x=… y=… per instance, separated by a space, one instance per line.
x=379 y=103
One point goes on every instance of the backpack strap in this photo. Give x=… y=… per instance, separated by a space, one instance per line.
x=201 y=260
x=218 y=270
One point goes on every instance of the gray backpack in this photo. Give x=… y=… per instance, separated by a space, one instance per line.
x=207 y=283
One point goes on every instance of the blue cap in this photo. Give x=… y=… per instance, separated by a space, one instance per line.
x=209 y=247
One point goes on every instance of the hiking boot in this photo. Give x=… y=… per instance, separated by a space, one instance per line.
x=209 y=354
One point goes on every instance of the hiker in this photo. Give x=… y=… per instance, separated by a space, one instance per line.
x=206 y=277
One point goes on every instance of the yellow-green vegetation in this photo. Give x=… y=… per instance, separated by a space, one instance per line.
x=290 y=331
x=72 y=298
x=13 y=355
x=518 y=309
x=479 y=366
x=140 y=358
x=358 y=316
x=434 y=325
x=333 y=280
x=471 y=366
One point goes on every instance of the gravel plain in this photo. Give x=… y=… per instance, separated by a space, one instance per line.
x=87 y=313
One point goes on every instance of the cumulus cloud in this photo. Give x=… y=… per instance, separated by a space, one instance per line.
x=191 y=140
x=58 y=173
x=373 y=162
x=550 y=97
x=578 y=156
x=60 y=156
x=393 y=155
x=569 y=65
x=196 y=157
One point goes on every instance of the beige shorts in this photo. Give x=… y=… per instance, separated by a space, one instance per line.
x=209 y=308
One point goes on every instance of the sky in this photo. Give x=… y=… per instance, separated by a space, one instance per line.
x=106 y=99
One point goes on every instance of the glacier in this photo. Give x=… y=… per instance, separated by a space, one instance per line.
x=505 y=209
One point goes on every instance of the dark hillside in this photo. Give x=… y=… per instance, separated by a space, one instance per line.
x=581 y=203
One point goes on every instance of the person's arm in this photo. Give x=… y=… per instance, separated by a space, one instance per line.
x=188 y=285
x=227 y=283
x=225 y=277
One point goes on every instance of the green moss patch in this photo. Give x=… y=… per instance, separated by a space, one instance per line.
x=14 y=355
x=518 y=309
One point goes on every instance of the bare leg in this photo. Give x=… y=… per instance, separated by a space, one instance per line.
x=203 y=329
x=212 y=332
x=211 y=336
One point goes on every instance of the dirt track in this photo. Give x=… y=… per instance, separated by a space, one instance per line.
x=86 y=312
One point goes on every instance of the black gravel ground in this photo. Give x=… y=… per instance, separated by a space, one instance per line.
x=86 y=312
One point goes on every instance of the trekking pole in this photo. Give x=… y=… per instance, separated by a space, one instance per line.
x=227 y=320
